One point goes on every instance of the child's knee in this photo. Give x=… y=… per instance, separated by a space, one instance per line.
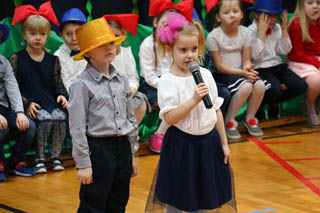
x=246 y=88
x=259 y=86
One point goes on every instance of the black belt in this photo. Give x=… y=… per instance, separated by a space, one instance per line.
x=108 y=139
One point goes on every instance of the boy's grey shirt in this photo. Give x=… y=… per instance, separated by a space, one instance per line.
x=10 y=96
x=100 y=107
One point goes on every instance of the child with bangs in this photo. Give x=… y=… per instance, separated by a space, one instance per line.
x=194 y=173
x=39 y=78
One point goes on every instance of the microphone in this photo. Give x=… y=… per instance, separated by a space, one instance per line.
x=194 y=68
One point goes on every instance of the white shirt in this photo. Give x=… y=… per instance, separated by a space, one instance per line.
x=70 y=68
x=148 y=71
x=230 y=49
x=175 y=90
x=125 y=63
x=267 y=54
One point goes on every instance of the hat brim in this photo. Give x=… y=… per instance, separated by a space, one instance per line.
x=5 y=32
x=61 y=25
x=116 y=40
x=268 y=12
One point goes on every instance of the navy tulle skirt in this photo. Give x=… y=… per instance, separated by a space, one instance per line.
x=192 y=175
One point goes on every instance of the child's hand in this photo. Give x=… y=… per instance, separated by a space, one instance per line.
x=226 y=152
x=200 y=91
x=32 y=110
x=63 y=101
x=134 y=91
x=3 y=123
x=22 y=122
x=85 y=175
x=263 y=24
x=284 y=20
x=250 y=73
x=134 y=167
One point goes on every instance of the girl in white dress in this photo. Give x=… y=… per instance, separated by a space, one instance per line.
x=230 y=45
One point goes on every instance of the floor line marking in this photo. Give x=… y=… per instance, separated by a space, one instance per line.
x=265 y=210
x=301 y=159
x=285 y=165
x=282 y=142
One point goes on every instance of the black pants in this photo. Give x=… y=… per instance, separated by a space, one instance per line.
x=278 y=75
x=112 y=168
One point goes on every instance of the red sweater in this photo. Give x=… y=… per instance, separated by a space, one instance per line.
x=304 y=52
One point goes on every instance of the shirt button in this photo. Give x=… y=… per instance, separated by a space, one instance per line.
x=117 y=113
x=119 y=128
x=114 y=95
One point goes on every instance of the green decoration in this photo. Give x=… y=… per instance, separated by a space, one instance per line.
x=135 y=9
x=17 y=3
x=89 y=9
x=177 y=1
x=203 y=10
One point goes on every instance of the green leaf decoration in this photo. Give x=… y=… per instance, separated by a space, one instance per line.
x=17 y=3
x=89 y=9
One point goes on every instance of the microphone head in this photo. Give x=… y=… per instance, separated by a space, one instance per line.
x=193 y=66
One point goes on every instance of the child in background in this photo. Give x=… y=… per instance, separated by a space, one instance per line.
x=125 y=62
x=304 y=31
x=12 y=118
x=152 y=64
x=230 y=44
x=39 y=78
x=194 y=173
x=102 y=123
x=70 y=68
x=269 y=41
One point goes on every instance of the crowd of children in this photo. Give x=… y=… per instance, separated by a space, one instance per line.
x=90 y=87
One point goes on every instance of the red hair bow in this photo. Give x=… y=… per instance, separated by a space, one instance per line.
x=127 y=21
x=184 y=7
x=45 y=10
x=211 y=3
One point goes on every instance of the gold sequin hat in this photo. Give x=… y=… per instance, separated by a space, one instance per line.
x=94 y=34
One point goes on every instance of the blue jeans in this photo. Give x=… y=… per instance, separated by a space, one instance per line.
x=24 y=139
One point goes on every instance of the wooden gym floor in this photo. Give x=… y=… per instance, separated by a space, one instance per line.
x=277 y=173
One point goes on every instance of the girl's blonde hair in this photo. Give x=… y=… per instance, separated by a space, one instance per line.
x=192 y=29
x=301 y=14
x=218 y=7
x=35 y=23
x=154 y=35
x=118 y=26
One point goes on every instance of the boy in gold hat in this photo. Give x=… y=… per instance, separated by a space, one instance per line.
x=102 y=123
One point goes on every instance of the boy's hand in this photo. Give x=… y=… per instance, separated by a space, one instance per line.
x=63 y=101
x=85 y=175
x=200 y=91
x=32 y=110
x=22 y=122
x=134 y=167
x=226 y=152
x=263 y=24
x=3 y=123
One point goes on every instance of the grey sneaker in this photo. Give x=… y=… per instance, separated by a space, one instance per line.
x=57 y=164
x=40 y=167
x=252 y=127
x=232 y=131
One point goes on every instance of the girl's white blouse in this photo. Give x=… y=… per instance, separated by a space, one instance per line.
x=175 y=90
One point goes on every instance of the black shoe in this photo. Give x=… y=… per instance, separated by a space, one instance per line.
x=273 y=111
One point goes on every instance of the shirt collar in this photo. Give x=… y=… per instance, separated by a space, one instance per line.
x=97 y=76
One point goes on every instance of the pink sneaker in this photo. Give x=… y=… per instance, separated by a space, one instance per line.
x=156 y=142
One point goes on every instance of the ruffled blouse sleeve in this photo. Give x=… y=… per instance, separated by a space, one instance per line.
x=168 y=97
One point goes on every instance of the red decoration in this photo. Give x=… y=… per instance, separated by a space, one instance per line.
x=45 y=10
x=127 y=21
x=184 y=7
x=211 y=3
